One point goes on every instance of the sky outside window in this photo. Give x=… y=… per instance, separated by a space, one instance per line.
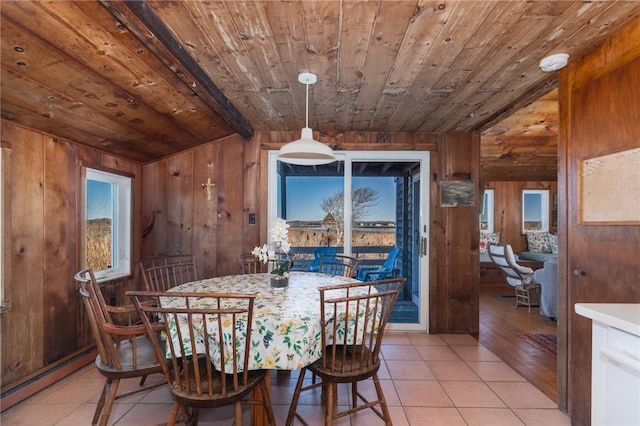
x=304 y=195
x=99 y=199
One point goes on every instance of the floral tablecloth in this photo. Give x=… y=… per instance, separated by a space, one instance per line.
x=286 y=324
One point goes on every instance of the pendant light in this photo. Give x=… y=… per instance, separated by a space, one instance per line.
x=306 y=151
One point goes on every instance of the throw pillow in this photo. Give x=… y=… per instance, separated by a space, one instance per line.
x=487 y=238
x=538 y=242
x=553 y=243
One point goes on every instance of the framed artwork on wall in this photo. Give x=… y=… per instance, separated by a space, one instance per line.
x=457 y=193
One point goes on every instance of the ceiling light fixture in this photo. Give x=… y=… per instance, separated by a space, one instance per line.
x=306 y=151
x=554 y=62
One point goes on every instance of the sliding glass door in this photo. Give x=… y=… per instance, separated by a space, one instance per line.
x=368 y=205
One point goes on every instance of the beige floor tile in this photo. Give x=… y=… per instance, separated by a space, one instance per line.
x=76 y=390
x=471 y=394
x=159 y=395
x=430 y=416
x=409 y=370
x=542 y=417
x=368 y=418
x=490 y=417
x=414 y=393
x=400 y=352
x=314 y=415
x=452 y=370
x=495 y=372
x=38 y=414
x=521 y=395
x=475 y=353
x=425 y=382
x=437 y=353
x=396 y=338
x=81 y=416
x=146 y=414
x=383 y=372
x=424 y=339
x=367 y=389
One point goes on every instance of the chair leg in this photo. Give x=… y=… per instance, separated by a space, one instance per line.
x=100 y=405
x=354 y=394
x=383 y=402
x=111 y=390
x=331 y=395
x=173 y=416
x=266 y=404
x=238 y=413
x=296 y=396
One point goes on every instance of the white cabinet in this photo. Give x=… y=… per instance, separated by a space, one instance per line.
x=615 y=362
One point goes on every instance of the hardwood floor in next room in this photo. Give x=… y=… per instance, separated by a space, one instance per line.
x=500 y=325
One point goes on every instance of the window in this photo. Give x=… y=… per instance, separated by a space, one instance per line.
x=486 y=217
x=107 y=224
x=535 y=210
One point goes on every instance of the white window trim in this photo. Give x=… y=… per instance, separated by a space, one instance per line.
x=122 y=209
x=544 y=207
x=488 y=206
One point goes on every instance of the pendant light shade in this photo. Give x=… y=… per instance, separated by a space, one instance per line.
x=306 y=151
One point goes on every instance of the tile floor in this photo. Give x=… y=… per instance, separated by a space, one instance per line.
x=445 y=379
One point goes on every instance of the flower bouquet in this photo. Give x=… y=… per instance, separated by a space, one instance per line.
x=277 y=253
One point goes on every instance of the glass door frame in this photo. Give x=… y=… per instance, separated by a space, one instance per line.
x=348 y=157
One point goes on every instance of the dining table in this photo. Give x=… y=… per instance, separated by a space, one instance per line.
x=286 y=332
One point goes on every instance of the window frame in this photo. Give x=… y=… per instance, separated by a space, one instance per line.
x=488 y=207
x=122 y=209
x=544 y=209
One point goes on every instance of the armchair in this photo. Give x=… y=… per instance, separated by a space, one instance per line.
x=380 y=272
x=518 y=276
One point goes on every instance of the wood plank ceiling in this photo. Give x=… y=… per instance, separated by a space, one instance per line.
x=146 y=79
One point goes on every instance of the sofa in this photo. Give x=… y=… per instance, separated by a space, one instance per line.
x=547 y=276
x=541 y=247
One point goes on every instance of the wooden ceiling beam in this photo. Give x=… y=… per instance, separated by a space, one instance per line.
x=145 y=24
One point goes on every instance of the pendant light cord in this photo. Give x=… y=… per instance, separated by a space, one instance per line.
x=306 y=118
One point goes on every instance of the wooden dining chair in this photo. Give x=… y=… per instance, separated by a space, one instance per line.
x=124 y=349
x=252 y=265
x=205 y=356
x=161 y=273
x=353 y=320
x=338 y=264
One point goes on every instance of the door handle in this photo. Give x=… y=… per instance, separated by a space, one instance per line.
x=578 y=272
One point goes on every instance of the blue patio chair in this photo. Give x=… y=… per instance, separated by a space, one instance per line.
x=380 y=272
x=317 y=254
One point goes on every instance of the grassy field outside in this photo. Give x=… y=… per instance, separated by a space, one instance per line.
x=98 y=250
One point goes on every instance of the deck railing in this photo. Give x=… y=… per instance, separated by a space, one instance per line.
x=368 y=255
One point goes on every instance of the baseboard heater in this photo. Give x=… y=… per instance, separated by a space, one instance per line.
x=46 y=376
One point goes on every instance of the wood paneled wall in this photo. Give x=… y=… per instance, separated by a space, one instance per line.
x=453 y=257
x=507 y=213
x=218 y=231
x=599 y=111
x=46 y=322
